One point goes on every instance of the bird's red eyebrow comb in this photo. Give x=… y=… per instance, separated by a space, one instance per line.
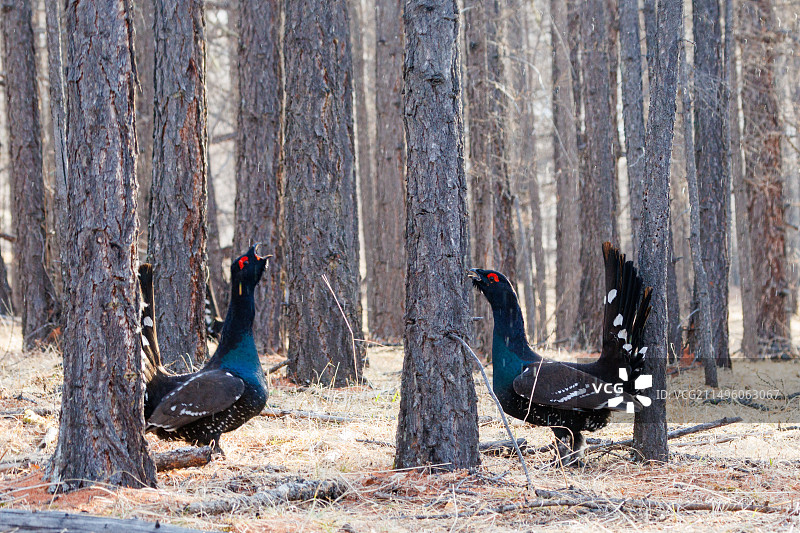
x=242 y=262
x=493 y=277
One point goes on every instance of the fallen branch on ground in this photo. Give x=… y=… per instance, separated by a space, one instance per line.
x=275 y=368
x=280 y=413
x=182 y=458
x=671 y=435
x=502 y=447
x=609 y=504
x=18 y=520
x=297 y=490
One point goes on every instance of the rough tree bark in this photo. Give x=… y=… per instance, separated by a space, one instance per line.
x=361 y=29
x=438 y=421
x=258 y=157
x=320 y=198
x=505 y=243
x=598 y=189
x=749 y=345
x=705 y=322
x=565 y=168
x=145 y=96
x=101 y=436
x=34 y=291
x=632 y=110
x=650 y=425
x=763 y=182
x=178 y=233
x=711 y=159
x=482 y=210
x=530 y=259
x=388 y=254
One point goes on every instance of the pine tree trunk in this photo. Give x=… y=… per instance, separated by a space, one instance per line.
x=705 y=323
x=522 y=147
x=711 y=157
x=388 y=254
x=145 y=96
x=650 y=426
x=505 y=243
x=438 y=420
x=599 y=184
x=34 y=291
x=258 y=158
x=763 y=181
x=362 y=29
x=178 y=233
x=632 y=111
x=476 y=81
x=565 y=169
x=101 y=436
x=746 y=279
x=320 y=196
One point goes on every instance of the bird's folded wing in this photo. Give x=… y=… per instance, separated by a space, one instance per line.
x=557 y=385
x=202 y=395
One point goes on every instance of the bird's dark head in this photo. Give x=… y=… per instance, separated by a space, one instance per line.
x=246 y=271
x=494 y=285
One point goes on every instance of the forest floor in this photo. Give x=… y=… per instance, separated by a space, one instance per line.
x=755 y=462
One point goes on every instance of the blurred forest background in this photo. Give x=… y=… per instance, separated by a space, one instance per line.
x=555 y=96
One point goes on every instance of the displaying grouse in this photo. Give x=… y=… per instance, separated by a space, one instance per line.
x=570 y=397
x=229 y=390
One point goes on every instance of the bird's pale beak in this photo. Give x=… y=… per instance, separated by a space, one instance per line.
x=473 y=274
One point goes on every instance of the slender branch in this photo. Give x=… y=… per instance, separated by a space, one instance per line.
x=499 y=408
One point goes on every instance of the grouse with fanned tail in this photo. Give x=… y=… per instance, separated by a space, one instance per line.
x=229 y=390
x=570 y=397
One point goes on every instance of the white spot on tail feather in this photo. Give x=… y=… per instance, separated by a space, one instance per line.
x=618 y=320
x=611 y=295
x=148 y=322
x=623 y=334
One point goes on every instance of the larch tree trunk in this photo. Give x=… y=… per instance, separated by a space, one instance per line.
x=438 y=420
x=145 y=96
x=388 y=254
x=101 y=435
x=476 y=90
x=598 y=188
x=632 y=110
x=565 y=168
x=749 y=345
x=362 y=21
x=711 y=159
x=522 y=147
x=650 y=424
x=703 y=285
x=34 y=291
x=55 y=72
x=505 y=243
x=320 y=197
x=258 y=158
x=763 y=181
x=178 y=233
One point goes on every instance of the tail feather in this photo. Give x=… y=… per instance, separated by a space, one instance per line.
x=151 y=355
x=212 y=319
x=627 y=307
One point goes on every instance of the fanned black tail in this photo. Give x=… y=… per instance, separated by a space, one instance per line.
x=212 y=319
x=627 y=307
x=151 y=356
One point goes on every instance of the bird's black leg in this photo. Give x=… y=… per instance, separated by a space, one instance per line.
x=569 y=444
x=215 y=447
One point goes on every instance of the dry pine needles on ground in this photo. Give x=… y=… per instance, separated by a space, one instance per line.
x=321 y=460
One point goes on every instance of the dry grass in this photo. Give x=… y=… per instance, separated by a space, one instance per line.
x=747 y=463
